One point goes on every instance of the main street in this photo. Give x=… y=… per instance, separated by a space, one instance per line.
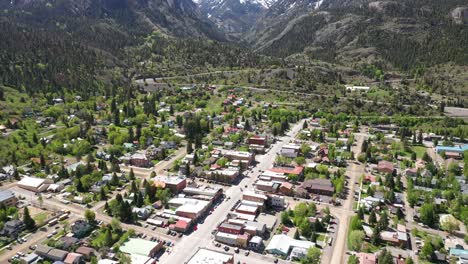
x=182 y=252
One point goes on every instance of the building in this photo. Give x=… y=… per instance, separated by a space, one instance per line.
x=267 y=186
x=175 y=183
x=140 y=159
x=366 y=258
x=81 y=228
x=86 y=252
x=286 y=188
x=276 y=201
x=204 y=191
x=254 y=197
x=230 y=228
x=298 y=170
x=226 y=238
x=12 y=228
x=319 y=186
x=245 y=157
x=207 y=256
x=385 y=167
x=283 y=244
x=181 y=226
x=273 y=176
x=29 y=259
x=256 y=243
x=51 y=253
x=188 y=207
x=34 y=184
x=224 y=175
x=258 y=140
x=357 y=88
x=456 y=149
x=8 y=198
x=141 y=247
x=73 y=258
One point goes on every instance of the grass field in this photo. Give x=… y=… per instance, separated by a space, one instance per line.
x=420 y=150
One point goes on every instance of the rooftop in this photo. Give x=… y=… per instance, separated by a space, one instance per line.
x=206 y=256
x=138 y=246
x=283 y=243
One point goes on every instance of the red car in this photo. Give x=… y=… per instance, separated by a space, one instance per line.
x=195 y=228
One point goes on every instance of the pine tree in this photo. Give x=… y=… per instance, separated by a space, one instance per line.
x=131 y=175
x=29 y=223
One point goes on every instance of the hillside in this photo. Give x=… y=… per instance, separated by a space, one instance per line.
x=403 y=34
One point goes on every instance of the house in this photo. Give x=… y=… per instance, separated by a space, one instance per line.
x=12 y=228
x=142 y=213
x=8 y=198
x=50 y=253
x=140 y=159
x=67 y=242
x=29 y=258
x=286 y=188
x=175 y=183
x=73 y=258
x=80 y=228
x=298 y=170
x=366 y=258
x=283 y=244
x=385 y=167
x=319 y=186
x=181 y=226
x=411 y=172
x=86 y=252
x=256 y=243
x=207 y=256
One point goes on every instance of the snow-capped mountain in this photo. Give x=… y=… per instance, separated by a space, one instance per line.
x=234 y=17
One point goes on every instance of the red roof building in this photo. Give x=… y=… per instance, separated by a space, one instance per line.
x=181 y=226
x=298 y=170
x=385 y=167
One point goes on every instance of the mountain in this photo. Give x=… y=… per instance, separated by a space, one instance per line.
x=403 y=34
x=234 y=17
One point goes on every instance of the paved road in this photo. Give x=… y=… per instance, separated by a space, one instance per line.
x=344 y=213
x=33 y=239
x=182 y=252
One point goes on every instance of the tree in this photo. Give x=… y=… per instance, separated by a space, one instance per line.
x=427 y=249
x=108 y=242
x=131 y=175
x=285 y=220
x=383 y=221
x=372 y=218
x=312 y=257
x=427 y=214
x=355 y=239
x=409 y=260
x=449 y=224
x=356 y=223
x=27 y=219
x=90 y=216
x=385 y=257
x=353 y=259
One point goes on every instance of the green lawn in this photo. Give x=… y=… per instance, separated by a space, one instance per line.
x=40 y=218
x=420 y=150
x=321 y=237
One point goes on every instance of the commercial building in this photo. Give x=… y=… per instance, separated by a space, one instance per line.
x=245 y=157
x=8 y=198
x=319 y=186
x=254 y=197
x=267 y=186
x=257 y=140
x=283 y=244
x=141 y=248
x=204 y=191
x=175 y=183
x=51 y=253
x=34 y=184
x=206 y=256
x=190 y=208
x=298 y=170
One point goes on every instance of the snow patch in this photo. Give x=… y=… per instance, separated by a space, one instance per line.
x=318 y=4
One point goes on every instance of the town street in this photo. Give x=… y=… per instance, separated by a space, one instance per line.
x=354 y=171
x=182 y=252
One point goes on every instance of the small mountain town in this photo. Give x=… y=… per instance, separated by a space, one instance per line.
x=234 y=131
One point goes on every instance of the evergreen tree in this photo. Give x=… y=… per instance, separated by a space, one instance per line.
x=29 y=223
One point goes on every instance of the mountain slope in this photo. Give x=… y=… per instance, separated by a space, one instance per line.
x=403 y=33
x=234 y=17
